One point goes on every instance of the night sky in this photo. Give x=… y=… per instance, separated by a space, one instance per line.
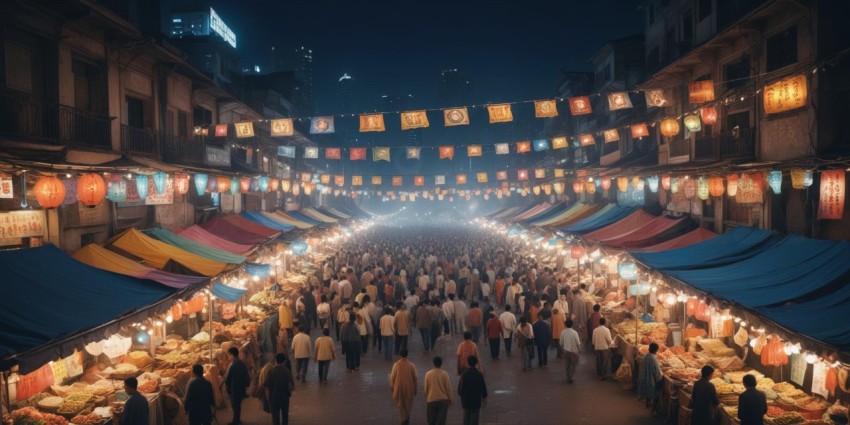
x=511 y=50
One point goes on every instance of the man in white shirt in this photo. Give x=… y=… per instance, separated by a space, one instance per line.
x=602 y=348
x=508 y=320
x=344 y=290
x=451 y=288
x=570 y=344
x=423 y=281
x=461 y=311
x=302 y=346
x=449 y=311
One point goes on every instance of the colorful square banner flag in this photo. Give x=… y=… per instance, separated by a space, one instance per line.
x=244 y=129
x=639 y=130
x=701 y=91
x=500 y=113
x=413 y=153
x=357 y=180
x=545 y=109
x=503 y=148
x=325 y=178
x=357 y=154
x=580 y=105
x=447 y=152
x=371 y=122
x=286 y=151
x=587 y=140
x=397 y=180
x=460 y=179
x=540 y=173
x=619 y=100
x=419 y=180
x=414 y=119
x=523 y=147
x=311 y=152
x=482 y=177
x=439 y=180
x=221 y=130
x=541 y=145
x=559 y=172
x=656 y=98
x=339 y=180
x=333 y=153
x=559 y=142
x=501 y=175
x=455 y=116
x=322 y=125
x=611 y=135
x=282 y=127
x=381 y=154
x=376 y=180
x=522 y=174
x=473 y=150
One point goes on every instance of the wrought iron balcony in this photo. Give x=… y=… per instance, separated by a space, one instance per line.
x=181 y=150
x=139 y=140
x=51 y=123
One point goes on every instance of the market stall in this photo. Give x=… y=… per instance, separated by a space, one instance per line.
x=198 y=234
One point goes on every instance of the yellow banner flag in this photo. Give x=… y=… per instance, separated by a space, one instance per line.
x=376 y=180
x=545 y=109
x=282 y=127
x=455 y=116
x=473 y=150
x=371 y=122
x=482 y=177
x=357 y=180
x=500 y=113
x=559 y=142
x=244 y=129
x=414 y=119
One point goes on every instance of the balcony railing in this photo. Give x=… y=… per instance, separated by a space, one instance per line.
x=737 y=143
x=680 y=148
x=53 y=123
x=138 y=140
x=705 y=149
x=182 y=150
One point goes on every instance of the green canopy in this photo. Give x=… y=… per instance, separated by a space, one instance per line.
x=195 y=247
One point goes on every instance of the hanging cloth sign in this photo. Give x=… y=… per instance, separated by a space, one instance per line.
x=371 y=122
x=523 y=147
x=447 y=152
x=473 y=150
x=357 y=154
x=376 y=180
x=116 y=346
x=545 y=109
x=500 y=113
x=618 y=101
x=580 y=105
x=311 y=152
x=455 y=116
x=414 y=119
x=559 y=142
x=413 y=153
x=381 y=154
x=502 y=148
x=282 y=127
x=333 y=153
x=244 y=129
x=322 y=125
x=656 y=98
x=832 y=192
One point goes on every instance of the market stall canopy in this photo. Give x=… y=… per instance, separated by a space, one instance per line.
x=309 y=212
x=262 y=220
x=694 y=236
x=506 y=212
x=251 y=226
x=622 y=227
x=195 y=247
x=227 y=293
x=47 y=296
x=657 y=230
x=532 y=212
x=227 y=230
x=553 y=211
x=599 y=220
x=735 y=245
x=200 y=235
x=159 y=254
x=281 y=216
x=102 y=258
x=298 y=216
x=331 y=213
x=588 y=211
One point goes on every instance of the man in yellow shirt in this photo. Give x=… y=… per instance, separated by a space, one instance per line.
x=284 y=317
x=325 y=352
x=438 y=393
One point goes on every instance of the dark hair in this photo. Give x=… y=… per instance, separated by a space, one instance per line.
x=523 y=320
x=280 y=358
x=653 y=347
x=472 y=361
x=601 y=321
x=508 y=307
x=749 y=381
x=438 y=361
x=326 y=331
x=352 y=316
x=707 y=371
x=302 y=329
x=402 y=352
x=233 y=351
x=198 y=369
x=132 y=382
x=473 y=304
x=569 y=323
x=467 y=335
x=596 y=307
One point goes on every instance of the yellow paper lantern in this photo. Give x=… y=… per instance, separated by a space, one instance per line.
x=536 y=190
x=285 y=185
x=547 y=189
x=578 y=188
x=559 y=187
x=715 y=186
x=702 y=188
x=732 y=185
x=801 y=179
x=590 y=187
x=693 y=123
x=623 y=184
x=669 y=127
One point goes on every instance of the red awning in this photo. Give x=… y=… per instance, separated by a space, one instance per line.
x=690 y=238
x=658 y=230
x=227 y=230
x=622 y=227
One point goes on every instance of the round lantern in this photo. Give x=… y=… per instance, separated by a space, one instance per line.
x=690 y=188
x=255 y=184
x=523 y=192
x=478 y=192
x=590 y=187
x=653 y=183
x=623 y=184
x=536 y=190
x=296 y=190
x=308 y=189
x=637 y=183
x=801 y=179
x=263 y=183
x=159 y=179
x=665 y=182
x=201 y=180
x=285 y=185
x=674 y=185
x=487 y=195
x=181 y=183
x=91 y=189
x=577 y=251
x=709 y=115
x=715 y=185
x=234 y=186
x=702 y=188
x=606 y=183
x=547 y=189
x=578 y=187
x=774 y=179
x=274 y=185
x=244 y=184
x=558 y=186
x=142 y=186
x=627 y=270
x=732 y=185
x=692 y=123
x=222 y=184
x=669 y=127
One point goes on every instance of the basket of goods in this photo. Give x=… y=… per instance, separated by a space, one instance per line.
x=31 y=416
x=140 y=359
x=790 y=418
x=812 y=407
x=88 y=419
x=69 y=409
x=737 y=377
x=686 y=374
x=50 y=404
x=124 y=371
x=774 y=410
x=149 y=387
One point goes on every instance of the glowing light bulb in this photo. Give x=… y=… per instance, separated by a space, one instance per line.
x=169 y=318
x=753 y=343
x=811 y=358
x=256 y=278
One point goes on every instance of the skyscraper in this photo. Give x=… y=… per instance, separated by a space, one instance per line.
x=304 y=74
x=345 y=95
x=277 y=60
x=454 y=89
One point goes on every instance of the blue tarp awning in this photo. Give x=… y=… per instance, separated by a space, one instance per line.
x=265 y=221
x=735 y=245
x=304 y=218
x=823 y=318
x=47 y=296
x=227 y=293
x=599 y=220
x=551 y=212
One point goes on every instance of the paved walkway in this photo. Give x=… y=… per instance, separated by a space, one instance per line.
x=539 y=396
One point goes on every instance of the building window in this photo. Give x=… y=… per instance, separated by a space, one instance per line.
x=18 y=67
x=737 y=74
x=89 y=87
x=782 y=49
x=201 y=116
x=182 y=124
x=703 y=9
x=135 y=112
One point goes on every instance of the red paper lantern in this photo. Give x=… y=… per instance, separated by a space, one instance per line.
x=708 y=115
x=670 y=127
x=49 y=191
x=578 y=187
x=715 y=186
x=665 y=182
x=181 y=183
x=274 y=185
x=606 y=183
x=223 y=184
x=91 y=189
x=245 y=184
x=577 y=252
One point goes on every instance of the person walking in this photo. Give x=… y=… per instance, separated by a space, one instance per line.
x=387 y=326
x=542 y=340
x=704 y=401
x=136 y=409
x=475 y=321
x=437 y=319
x=472 y=391
x=508 y=321
x=423 y=323
x=324 y=354
x=525 y=342
x=351 y=343
x=558 y=320
x=199 y=401
x=752 y=403
x=402 y=326
x=649 y=378
x=466 y=349
x=570 y=343
x=302 y=346
x=280 y=385
x=236 y=381
x=438 y=393
x=494 y=335
x=403 y=385
x=602 y=348
x=448 y=306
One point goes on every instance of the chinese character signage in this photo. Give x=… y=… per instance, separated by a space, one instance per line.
x=21 y=224
x=832 y=189
x=785 y=94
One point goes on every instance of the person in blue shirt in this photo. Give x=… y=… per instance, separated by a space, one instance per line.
x=136 y=408
x=199 y=401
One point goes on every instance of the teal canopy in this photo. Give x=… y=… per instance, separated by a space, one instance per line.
x=195 y=247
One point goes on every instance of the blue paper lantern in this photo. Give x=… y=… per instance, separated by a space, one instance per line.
x=774 y=179
x=216 y=198
x=263 y=182
x=653 y=183
x=234 y=186
x=627 y=270
x=159 y=182
x=255 y=184
x=298 y=247
x=142 y=186
x=201 y=180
